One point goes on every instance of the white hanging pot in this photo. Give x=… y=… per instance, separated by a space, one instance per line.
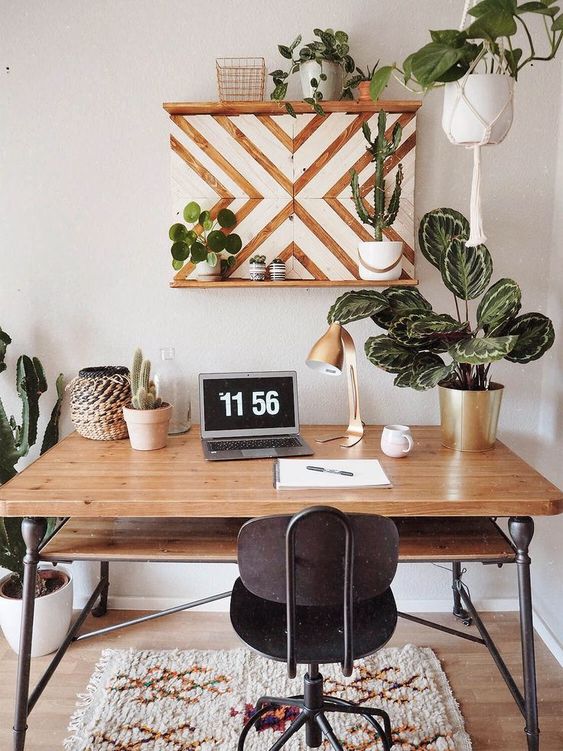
x=331 y=89
x=208 y=273
x=52 y=616
x=380 y=260
x=478 y=109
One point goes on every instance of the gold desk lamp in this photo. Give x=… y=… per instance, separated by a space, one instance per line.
x=333 y=352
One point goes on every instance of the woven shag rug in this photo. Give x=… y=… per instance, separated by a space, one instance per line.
x=198 y=701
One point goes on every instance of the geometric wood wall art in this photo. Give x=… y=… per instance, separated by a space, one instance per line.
x=287 y=179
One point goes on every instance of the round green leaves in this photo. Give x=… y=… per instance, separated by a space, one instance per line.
x=192 y=212
x=226 y=218
x=233 y=243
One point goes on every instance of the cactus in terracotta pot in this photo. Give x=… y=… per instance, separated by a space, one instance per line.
x=148 y=417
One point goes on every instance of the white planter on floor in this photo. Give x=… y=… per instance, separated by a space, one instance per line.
x=208 y=273
x=489 y=95
x=380 y=261
x=331 y=89
x=51 y=622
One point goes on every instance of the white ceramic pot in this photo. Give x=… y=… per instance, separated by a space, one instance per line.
x=148 y=428
x=380 y=260
x=331 y=89
x=490 y=95
x=257 y=272
x=208 y=273
x=51 y=621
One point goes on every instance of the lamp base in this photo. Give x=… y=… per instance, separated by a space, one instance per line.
x=351 y=437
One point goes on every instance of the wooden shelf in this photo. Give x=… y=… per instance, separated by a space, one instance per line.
x=278 y=108
x=235 y=283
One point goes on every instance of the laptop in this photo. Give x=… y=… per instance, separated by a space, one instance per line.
x=250 y=415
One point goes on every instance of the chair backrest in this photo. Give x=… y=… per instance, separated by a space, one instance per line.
x=319 y=556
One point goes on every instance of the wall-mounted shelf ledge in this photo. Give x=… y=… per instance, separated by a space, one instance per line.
x=278 y=108
x=232 y=283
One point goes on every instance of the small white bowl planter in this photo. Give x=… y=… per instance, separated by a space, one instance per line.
x=148 y=428
x=208 y=273
x=53 y=613
x=478 y=109
x=331 y=89
x=380 y=260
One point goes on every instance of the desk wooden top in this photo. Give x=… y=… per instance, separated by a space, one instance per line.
x=80 y=477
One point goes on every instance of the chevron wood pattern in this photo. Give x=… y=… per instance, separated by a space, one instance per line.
x=287 y=179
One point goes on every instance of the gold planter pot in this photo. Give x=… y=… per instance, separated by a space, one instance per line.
x=469 y=418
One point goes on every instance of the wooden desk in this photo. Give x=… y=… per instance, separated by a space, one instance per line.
x=101 y=484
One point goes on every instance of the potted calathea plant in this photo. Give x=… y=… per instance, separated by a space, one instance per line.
x=53 y=587
x=380 y=258
x=479 y=64
x=424 y=349
x=206 y=243
x=148 y=417
x=323 y=65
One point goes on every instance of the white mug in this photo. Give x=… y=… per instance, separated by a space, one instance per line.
x=396 y=440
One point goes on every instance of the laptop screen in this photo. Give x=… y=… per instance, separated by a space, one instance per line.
x=247 y=404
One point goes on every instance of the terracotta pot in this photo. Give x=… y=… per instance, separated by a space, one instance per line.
x=363 y=91
x=51 y=622
x=469 y=419
x=380 y=259
x=148 y=428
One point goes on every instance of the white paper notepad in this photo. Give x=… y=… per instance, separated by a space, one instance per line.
x=292 y=474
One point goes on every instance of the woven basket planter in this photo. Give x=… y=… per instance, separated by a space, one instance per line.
x=97 y=398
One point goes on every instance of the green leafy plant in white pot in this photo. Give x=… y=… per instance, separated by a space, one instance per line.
x=380 y=258
x=53 y=587
x=148 y=417
x=424 y=349
x=205 y=243
x=478 y=65
x=323 y=65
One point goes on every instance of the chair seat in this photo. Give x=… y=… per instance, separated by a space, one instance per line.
x=319 y=637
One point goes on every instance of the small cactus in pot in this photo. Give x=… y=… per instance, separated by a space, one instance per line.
x=148 y=417
x=257 y=268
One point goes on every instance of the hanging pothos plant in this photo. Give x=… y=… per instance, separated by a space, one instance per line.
x=424 y=348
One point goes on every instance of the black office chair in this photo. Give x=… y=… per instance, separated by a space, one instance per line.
x=315 y=588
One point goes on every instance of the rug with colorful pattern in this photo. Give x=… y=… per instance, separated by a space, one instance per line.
x=199 y=701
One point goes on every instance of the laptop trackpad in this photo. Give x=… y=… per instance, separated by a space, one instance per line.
x=259 y=453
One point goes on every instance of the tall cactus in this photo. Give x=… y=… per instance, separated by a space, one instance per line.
x=16 y=439
x=381 y=149
x=143 y=390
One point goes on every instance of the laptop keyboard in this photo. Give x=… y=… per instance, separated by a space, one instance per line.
x=241 y=444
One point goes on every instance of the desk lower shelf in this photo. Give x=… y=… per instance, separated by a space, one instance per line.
x=214 y=540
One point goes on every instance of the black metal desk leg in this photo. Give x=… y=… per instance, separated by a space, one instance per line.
x=33 y=531
x=102 y=606
x=522 y=530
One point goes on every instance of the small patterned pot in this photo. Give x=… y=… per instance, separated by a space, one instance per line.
x=277 y=271
x=257 y=272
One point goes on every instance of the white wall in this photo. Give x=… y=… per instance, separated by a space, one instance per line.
x=84 y=198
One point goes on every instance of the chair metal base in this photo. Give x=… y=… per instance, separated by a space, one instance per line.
x=314 y=706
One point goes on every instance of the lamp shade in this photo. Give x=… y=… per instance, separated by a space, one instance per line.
x=327 y=354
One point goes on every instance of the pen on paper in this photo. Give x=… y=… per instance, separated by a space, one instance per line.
x=331 y=471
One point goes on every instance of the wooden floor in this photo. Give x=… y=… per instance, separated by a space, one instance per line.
x=492 y=719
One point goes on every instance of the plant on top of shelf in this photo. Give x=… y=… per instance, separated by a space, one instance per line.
x=362 y=80
x=488 y=41
x=205 y=241
x=323 y=65
x=380 y=259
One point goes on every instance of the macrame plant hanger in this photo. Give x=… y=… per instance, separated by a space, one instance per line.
x=477 y=234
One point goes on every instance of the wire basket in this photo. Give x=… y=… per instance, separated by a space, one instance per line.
x=241 y=79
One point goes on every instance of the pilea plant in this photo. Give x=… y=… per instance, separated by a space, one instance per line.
x=488 y=40
x=332 y=47
x=417 y=337
x=203 y=241
x=381 y=149
x=143 y=390
x=16 y=439
x=258 y=259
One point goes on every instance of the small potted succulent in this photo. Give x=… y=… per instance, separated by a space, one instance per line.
x=205 y=242
x=277 y=270
x=323 y=65
x=380 y=259
x=417 y=338
x=148 y=417
x=257 y=266
x=362 y=81
x=53 y=587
